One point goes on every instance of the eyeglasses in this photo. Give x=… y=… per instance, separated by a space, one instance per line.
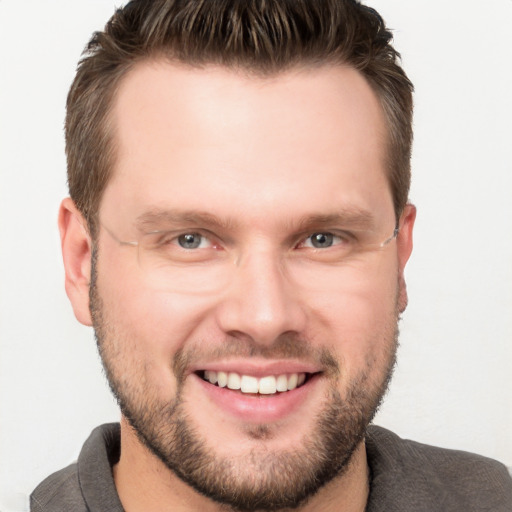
x=198 y=260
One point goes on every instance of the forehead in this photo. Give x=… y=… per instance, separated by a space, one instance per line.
x=184 y=134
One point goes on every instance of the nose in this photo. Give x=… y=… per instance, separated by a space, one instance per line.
x=260 y=302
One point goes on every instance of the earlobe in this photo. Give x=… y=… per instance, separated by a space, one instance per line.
x=404 y=244
x=76 y=252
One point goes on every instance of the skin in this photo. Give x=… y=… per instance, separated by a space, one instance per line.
x=261 y=155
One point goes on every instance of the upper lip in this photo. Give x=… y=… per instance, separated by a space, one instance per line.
x=257 y=368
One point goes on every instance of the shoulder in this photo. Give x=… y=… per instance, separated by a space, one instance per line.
x=431 y=478
x=59 y=492
x=87 y=485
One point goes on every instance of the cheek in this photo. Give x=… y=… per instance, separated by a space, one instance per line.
x=156 y=320
x=144 y=329
x=357 y=313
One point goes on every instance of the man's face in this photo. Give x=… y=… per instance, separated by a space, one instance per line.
x=258 y=188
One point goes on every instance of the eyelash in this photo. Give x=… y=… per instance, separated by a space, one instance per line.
x=336 y=239
x=173 y=238
x=168 y=238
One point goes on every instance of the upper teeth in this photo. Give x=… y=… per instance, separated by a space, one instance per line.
x=267 y=385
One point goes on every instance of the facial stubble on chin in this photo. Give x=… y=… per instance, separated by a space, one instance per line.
x=261 y=479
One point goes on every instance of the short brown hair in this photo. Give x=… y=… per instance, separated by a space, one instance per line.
x=263 y=36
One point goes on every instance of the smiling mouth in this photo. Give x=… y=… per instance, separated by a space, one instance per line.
x=267 y=385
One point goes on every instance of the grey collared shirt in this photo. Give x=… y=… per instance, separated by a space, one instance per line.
x=405 y=477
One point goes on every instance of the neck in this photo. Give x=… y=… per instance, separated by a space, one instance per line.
x=145 y=484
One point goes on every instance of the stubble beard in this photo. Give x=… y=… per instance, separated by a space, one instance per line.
x=261 y=479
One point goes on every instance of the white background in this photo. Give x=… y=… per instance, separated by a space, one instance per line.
x=453 y=384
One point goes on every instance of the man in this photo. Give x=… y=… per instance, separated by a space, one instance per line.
x=237 y=234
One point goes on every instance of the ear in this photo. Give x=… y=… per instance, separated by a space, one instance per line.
x=404 y=245
x=76 y=251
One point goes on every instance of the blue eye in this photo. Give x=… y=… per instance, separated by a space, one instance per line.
x=190 y=240
x=321 y=240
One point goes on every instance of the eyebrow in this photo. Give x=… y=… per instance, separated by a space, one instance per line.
x=350 y=217
x=157 y=218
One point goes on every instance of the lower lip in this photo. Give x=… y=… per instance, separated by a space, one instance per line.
x=256 y=408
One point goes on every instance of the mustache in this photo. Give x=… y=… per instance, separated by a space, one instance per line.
x=286 y=346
